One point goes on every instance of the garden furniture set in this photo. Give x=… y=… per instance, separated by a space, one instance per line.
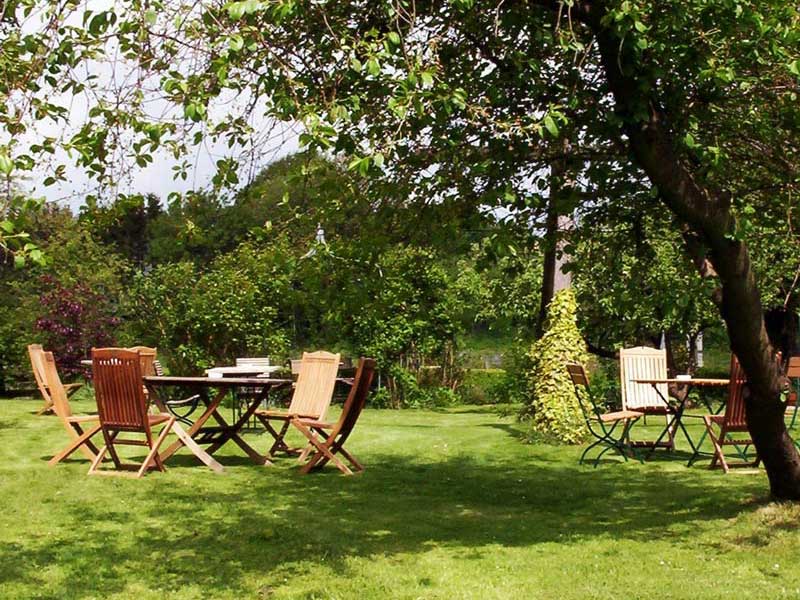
x=128 y=385
x=644 y=391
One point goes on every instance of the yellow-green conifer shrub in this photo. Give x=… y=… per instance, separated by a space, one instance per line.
x=553 y=409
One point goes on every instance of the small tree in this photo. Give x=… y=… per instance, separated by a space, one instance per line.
x=552 y=406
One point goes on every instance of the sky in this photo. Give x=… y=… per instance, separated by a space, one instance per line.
x=273 y=140
x=158 y=178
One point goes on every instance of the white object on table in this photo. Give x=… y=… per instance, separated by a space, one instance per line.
x=242 y=370
x=684 y=377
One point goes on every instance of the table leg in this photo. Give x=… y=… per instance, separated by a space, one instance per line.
x=204 y=457
x=231 y=432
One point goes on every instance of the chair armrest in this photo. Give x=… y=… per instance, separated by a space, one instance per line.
x=313 y=423
x=82 y=418
x=184 y=401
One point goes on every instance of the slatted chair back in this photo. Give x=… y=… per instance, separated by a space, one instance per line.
x=295 y=366
x=580 y=381
x=36 y=354
x=147 y=358
x=793 y=373
x=58 y=394
x=793 y=368
x=642 y=362
x=355 y=402
x=121 y=401
x=258 y=361
x=735 y=418
x=315 y=382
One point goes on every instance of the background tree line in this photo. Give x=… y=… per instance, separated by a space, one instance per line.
x=425 y=288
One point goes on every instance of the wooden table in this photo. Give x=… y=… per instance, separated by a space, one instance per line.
x=216 y=436
x=677 y=418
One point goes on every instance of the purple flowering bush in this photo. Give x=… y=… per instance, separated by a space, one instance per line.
x=74 y=318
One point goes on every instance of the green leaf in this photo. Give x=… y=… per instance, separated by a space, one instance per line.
x=427 y=79
x=394 y=38
x=550 y=125
x=150 y=17
x=7 y=226
x=373 y=67
x=236 y=42
x=6 y=164
x=19 y=261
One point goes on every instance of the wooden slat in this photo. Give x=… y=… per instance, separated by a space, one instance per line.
x=638 y=364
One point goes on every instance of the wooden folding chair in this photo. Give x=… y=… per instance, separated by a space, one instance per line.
x=733 y=420
x=80 y=439
x=36 y=355
x=793 y=373
x=642 y=362
x=122 y=406
x=147 y=358
x=311 y=397
x=326 y=440
x=602 y=425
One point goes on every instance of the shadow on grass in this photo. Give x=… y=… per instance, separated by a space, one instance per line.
x=171 y=534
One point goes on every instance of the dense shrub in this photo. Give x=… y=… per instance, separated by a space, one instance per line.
x=483 y=386
x=74 y=319
x=198 y=319
x=552 y=407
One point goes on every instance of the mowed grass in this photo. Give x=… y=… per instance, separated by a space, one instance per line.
x=452 y=505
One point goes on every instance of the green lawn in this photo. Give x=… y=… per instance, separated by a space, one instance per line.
x=451 y=505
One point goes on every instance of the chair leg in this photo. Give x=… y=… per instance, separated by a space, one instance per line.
x=110 y=437
x=352 y=459
x=588 y=448
x=624 y=440
x=152 y=456
x=323 y=453
x=74 y=445
x=46 y=409
x=96 y=462
x=719 y=453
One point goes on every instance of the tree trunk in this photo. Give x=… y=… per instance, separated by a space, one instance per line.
x=549 y=267
x=554 y=278
x=707 y=212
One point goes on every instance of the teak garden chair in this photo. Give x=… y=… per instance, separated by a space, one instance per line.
x=642 y=362
x=80 y=439
x=122 y=406
x=731 y=421
x=326 y=440
x=147 y=358
x=602 y=425
x=311 y=397
x=793 y=373
x=36 y=355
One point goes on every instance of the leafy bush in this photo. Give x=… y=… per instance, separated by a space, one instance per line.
x=483 y=386
x=552 y=407
x=202 y=318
